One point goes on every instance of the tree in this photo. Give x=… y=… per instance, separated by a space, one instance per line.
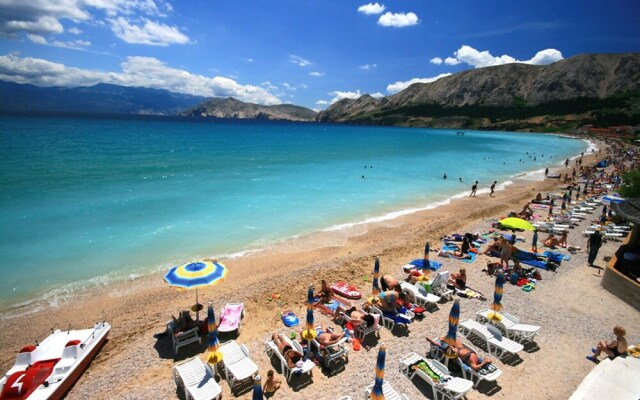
x=630 y=187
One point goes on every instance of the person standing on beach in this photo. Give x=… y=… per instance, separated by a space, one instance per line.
x=493 y=188
x=534 y=241
x=473 y=189
x=593 y=245
x=546 y=171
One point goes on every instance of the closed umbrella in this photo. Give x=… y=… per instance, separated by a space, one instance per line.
x=257 y=389
x=376 y=277
x=516 y=223
x=497 y=298
x=451 y=338
x=309 y=333
x=215 y=355
x=195 y=275
x=376 y=392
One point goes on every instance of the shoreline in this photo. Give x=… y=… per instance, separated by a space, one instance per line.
x=342 y=231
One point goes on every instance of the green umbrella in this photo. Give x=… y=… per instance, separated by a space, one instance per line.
x=516 y=223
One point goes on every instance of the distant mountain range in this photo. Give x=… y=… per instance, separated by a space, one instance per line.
x=100 y=99
x=591 y=88
x=599 y=89
x=233 y=108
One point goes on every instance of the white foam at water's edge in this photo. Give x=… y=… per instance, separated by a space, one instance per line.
x=64 y=293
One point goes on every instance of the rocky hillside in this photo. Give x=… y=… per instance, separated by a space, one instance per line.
x=233 y=108
x=576 y=90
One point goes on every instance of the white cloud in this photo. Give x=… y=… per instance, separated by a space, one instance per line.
x=75 y=31
x=400 y=86
x=301 y=62
x=322 y=102
x=451 y=61
x=71 y=44
x=136 y=71
x=150 y=32
x=377 y=95
x=372 y=8
x=42 y=25
x=398 y=20
x=478 y=59
x=316 y=73
x=436 y=60
x=249 y=60
x=368 y=66
x=344 y=95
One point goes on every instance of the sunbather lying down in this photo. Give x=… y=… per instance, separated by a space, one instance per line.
x=290 y=355
x=326 y=337
x=468 y=356
x=356 y=316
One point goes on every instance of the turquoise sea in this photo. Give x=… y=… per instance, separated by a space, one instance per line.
x=89 y=200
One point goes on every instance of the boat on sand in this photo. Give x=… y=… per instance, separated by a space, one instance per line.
x=49 y=369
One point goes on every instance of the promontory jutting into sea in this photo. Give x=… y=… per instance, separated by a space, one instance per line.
x=103 y=199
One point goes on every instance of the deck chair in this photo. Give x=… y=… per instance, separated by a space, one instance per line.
x=389 y=321
x=307 y=366
x=449 y=387
x=361 y=330
x=197 y=380
x=510 y=326
x=236 y=364
x=231 y=317
x=179 y=339
x=495 y=343
x=388 y=391
x=439 y=285
x=418 y=295
x=331 y=353
x=437 y=352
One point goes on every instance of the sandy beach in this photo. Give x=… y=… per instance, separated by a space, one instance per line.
x=570 y=305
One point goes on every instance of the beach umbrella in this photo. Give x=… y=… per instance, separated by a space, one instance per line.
x=497 y=297
x=376 y=277
x=194 y=275
x=451 y=338
x=257 y=389
x=309 y=333
x=215 y=355
x=516 y=223
x=376 y=392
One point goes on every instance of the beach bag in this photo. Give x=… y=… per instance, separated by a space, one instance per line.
x=514 y=278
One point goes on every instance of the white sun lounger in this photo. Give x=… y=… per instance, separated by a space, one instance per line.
x=197 y=380
x=388 y=391
x=236 y=364
x=495 y=343
x=469 y=373
x=510 y=326
x=333 y=352
x=389 y=322
x=231 y=317
x=179 y=339
x=439 y=285
x=451 y=387
x=307 y=366
x=418 y=295
x=362 y=330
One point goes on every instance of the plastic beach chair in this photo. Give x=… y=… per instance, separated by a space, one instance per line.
x=231 y=317
x=448 y=386
x=333 y=352
x=510 y=326
x=236 y=364
x=388 y=391
x=419 y=296
x=495 y=343
x=197 y=380
x=272 y=349
x=486 y=374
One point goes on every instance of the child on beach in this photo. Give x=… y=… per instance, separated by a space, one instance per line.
x=613 y=348
x=271 y=384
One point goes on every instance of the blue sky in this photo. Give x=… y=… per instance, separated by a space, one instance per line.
x=310 y=53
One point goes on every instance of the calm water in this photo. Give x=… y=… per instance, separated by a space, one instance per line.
x=85 y=201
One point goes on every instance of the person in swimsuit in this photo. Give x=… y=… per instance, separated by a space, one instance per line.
x=387 y=300
x=466 y=355
x=459 y=280
x=271 y=384
x=324 y=294
x=290 y=355
x=356 y=317
x=388 y=282
x=613 y=348
x=551 y=241
x=326 y=337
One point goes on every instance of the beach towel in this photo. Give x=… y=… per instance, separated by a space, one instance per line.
x=346 y=290
x=419 y=264
x=397 y=318
x=289 y=318
x=329 y=308
x=556 y=257
x=532 y=259
x=472 y=256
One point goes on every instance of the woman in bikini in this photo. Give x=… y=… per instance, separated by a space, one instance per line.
x=290 y=355
x=466 y=355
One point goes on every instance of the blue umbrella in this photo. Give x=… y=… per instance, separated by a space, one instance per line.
x=376 y=277
x=376 y=392
x=309 y=333
x=497 y=297
x=215 y=355
x=257 y=389
x=451 y=338
x=195 y=275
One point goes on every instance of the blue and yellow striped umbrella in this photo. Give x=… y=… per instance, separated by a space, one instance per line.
x=309 y=333
x=195 y=275
x=451 y=338
x=376 y=392
x=376 y=277
x=215 y=355
x=257 y=389
x=497 y=297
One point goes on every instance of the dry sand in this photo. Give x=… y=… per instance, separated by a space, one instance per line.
x=570 y=305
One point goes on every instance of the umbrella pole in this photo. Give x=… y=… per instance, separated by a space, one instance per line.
x=197 y=308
